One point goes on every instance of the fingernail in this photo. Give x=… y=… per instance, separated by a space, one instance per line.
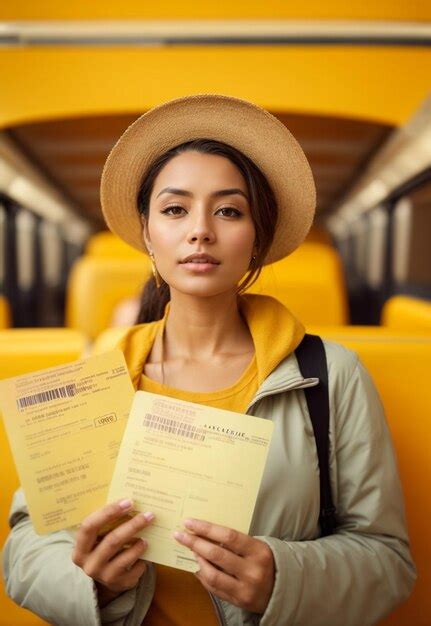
x=144 y=542
x=149 y=516
x=189 y=523
x=178 y=535
x=125 y=504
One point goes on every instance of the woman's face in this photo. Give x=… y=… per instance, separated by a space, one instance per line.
x=199 y=204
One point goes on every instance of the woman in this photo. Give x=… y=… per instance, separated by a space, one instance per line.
x=213 y=188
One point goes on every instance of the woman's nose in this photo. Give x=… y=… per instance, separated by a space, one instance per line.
x=201 y=230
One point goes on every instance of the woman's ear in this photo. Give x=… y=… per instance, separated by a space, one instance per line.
x=145 y=233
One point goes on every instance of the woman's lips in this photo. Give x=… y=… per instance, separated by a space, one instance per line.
x=199 y=268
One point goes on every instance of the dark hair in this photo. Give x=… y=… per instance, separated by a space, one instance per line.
x=263 y=207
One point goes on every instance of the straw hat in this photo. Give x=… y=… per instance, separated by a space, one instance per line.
x=239 y=123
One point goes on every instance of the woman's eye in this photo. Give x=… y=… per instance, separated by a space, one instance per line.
x=169 y=208
x=234 y=212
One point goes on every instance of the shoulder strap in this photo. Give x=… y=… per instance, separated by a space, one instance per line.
x=312 y=363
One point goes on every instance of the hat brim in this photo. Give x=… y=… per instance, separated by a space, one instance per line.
x=239 y=123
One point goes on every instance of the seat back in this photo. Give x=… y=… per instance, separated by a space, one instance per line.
x=400 y=365
x=406 y=313
x=106 y=244
x=97 y=285
x=310 y=283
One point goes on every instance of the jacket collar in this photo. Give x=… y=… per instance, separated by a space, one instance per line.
x=285 y=377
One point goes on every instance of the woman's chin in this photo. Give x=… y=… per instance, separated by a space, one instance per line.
x=203 y=290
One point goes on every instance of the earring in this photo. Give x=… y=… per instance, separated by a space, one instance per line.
x=253 y=259
x=155 y=272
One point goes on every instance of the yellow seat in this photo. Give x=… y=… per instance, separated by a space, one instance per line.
x=107 y=244
x=5 y=314
x=400 y=365
x=310 y=283
x=97 y=285
x=405 y=312
x=22 y=351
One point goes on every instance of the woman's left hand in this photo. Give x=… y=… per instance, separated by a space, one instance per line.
x=233 y=566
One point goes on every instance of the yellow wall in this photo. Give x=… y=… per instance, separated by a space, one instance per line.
x=378 y=83
x=414 y=10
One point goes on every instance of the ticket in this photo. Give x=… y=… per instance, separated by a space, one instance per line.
x=64 y=426
x=181 y=459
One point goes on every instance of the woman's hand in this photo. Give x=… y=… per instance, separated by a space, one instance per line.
x=114 y=567
x=235 y=567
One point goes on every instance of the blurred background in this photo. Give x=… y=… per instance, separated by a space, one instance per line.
x=351 y=80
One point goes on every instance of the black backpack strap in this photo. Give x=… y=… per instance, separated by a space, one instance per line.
x=312 y=363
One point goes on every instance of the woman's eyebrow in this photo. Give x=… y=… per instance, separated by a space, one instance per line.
x=215 y=194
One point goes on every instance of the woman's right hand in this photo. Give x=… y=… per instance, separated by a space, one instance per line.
x=113 y=568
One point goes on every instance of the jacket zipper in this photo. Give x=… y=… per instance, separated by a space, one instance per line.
x=297 y=383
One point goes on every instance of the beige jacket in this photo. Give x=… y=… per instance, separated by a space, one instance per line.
x=352 y=578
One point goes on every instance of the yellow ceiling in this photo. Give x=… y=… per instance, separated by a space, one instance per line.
x=383 y=84
x=414 y=10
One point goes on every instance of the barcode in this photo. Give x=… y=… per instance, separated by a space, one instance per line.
x=171 y=426
x=46 y=396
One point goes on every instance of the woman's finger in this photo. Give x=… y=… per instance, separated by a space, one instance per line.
x=222 y=585
x=133 y=575
x=88 y=531
x=233 y=539
x=220 y=556
x=114 y=541
x=127 y=580
x=127 y=566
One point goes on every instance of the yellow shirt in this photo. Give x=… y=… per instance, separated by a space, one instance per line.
x=180 y=599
